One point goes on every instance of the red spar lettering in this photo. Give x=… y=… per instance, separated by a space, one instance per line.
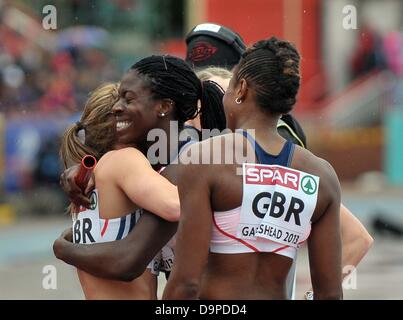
x=270 y=175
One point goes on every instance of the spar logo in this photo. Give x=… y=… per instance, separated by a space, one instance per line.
x=309 y=185
x=271 y=175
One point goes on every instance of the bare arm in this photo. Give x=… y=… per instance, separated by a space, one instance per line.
x=356 y=240
x=144 y=186
x=324 y=242
x=123 y=260
x=193 y=237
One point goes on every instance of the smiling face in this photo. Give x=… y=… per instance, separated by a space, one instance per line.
x=135 y=112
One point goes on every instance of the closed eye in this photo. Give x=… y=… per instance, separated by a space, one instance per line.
x=128 y=101
x=130 y=96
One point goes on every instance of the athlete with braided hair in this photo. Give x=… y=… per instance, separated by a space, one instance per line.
x=238 y=234
x=155 y=91
x=210 y=65
x=117 y=213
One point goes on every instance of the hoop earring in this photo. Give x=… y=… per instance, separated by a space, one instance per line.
x=238 y=101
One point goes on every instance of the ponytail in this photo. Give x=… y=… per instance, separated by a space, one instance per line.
x=212 y=114
x=73 y=149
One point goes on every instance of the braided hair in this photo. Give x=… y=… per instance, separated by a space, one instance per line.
x=169 y=77
x=271 y=67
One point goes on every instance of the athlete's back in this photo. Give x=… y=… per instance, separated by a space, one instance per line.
x=241 y=266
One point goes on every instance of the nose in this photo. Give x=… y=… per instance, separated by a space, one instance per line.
x=117 y=108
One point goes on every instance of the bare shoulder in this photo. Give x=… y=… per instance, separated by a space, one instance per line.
x=127 y=152
x=306 y=161
x=122 y=154
x=118 y=161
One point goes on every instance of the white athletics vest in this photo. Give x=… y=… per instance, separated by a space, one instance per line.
x=89 y=228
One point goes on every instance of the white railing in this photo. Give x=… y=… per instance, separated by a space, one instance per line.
x=363 y=103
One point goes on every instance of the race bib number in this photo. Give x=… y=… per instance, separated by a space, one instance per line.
x=86 y=227
x=167 y=258
x=278 y=204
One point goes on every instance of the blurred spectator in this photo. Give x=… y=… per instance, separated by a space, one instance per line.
x=60 y=91
x=47 y=169
x=41 y=89
x=32 y=79
x=393 y=47
x=368 y=55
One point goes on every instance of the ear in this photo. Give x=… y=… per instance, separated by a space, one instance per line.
x=165 y=107
x=241 y=90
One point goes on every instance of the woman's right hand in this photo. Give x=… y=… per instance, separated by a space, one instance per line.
x=76 y=195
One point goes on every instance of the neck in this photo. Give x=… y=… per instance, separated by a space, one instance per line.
x=262 y=122
x=166 y=144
